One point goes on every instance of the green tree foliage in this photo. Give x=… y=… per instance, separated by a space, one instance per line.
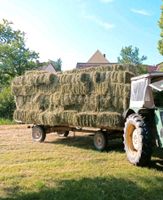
x=160 y=42
x=57 y=64
x=15 y=57
x=7 y=104
x=130 y=55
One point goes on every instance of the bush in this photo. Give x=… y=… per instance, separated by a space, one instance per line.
x=6 y=121
x=7 y=104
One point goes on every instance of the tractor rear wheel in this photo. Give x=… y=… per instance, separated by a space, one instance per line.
x=137 y=140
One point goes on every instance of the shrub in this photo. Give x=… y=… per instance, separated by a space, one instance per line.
x=7 y=104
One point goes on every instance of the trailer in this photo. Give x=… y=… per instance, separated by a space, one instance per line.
x=108 y=101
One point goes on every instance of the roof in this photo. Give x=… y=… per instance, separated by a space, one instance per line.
x=160 y=66
x=98 y=57
x=149 y=75
x=48 y=68
x=151 y=68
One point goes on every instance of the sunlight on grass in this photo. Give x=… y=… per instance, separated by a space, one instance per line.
x=71 y=169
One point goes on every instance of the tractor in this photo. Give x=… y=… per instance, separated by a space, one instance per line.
x=144 y=119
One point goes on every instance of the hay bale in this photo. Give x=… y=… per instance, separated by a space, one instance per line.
x=91 y=103
x=85 y=119
x=41 y=102
x=93 y=97
x=23 y=102
x=99 y=77
x=102 y=119
x=76 y=89
x=109 y=119
x=48 y=118
x=70 y=101
x=101 y=88
x=63 y=118
x=74 y=78
x=24 y=90
x=67 y=118
x=27 y=116
x=17 y=81
x=36 y=78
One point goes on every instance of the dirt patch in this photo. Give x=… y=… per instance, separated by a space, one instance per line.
x=15 y=126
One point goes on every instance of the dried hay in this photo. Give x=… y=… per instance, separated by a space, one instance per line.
x=103 y=119
x=27 y=116
x=76 y=89
x=60 y=117
x=74 y=78
x=92 y=97
x=23 y=90
x=23 y=102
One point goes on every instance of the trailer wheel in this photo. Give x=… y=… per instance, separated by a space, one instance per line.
x=100 y=141
x=137 y=140
x=63 y=133
x=38 y=133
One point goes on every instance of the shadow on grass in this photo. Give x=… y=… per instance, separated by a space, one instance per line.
x=96 y=189
x=158 y=153
x=157 y=165
x=86 y=142
x=157 y=162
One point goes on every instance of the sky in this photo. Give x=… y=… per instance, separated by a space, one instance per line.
x=74 y=29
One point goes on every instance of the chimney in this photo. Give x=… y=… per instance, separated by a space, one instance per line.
x=104 y=55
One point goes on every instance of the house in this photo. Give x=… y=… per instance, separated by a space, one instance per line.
x=159 y=66
x=96 y=59
x=151 y=68
x=49 y=68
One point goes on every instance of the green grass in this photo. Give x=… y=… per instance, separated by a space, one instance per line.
x=6 y=121
x=71 y=169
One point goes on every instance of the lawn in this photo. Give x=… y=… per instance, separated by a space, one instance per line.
x=71 y=169
x=6 y=121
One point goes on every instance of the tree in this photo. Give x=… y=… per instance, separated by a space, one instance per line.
x=130 y=55
x=7 y=104
x=57 y=64
x=160 y=42
x=15 y=57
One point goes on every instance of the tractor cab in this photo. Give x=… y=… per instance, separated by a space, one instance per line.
x=144 y=120
x=147 y=93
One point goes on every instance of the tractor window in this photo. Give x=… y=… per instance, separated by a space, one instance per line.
x=158 y=98
x=157 y=86
x=138 y=90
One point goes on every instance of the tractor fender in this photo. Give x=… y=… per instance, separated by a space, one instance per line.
x=127 y=113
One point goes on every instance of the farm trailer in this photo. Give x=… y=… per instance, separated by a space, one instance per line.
x=95 y=100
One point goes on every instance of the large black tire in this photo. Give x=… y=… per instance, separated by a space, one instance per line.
x=137 y=140
x=38 y=133
x=100 y=141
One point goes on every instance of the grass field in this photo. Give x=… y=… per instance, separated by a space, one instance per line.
x=71 y=169
x=6 y=121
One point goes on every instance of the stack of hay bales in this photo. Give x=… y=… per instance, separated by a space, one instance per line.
x=92 y=97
